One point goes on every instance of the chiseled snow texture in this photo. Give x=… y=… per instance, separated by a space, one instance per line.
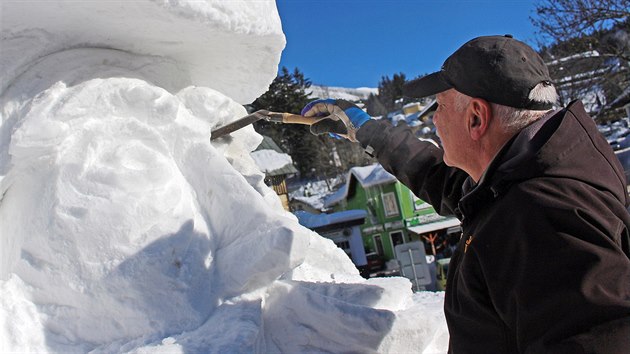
x=124 y=229
x=208 y=41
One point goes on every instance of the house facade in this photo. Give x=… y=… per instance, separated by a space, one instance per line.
x=275 y=173
x=343 y=228
x=394 y=214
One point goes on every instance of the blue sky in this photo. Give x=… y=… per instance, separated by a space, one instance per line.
x=353 y=43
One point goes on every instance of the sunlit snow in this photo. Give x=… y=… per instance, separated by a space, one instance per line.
x=124 y=229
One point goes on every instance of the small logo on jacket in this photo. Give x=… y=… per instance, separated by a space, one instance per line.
x=468 y=242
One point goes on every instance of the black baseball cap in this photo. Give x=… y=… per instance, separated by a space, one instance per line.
x=499 y=69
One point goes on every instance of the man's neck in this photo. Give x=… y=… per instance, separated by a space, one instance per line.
x=488 y=152
x=495 y=146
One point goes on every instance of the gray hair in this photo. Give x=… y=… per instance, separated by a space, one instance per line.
x=515 y=119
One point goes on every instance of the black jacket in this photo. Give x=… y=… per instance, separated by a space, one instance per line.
x=543 y=264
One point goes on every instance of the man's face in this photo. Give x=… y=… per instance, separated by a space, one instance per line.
x=452 y=129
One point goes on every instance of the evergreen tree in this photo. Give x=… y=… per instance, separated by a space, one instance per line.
x=287 y=93
x=390 y=91
x=314 y=156
x=374 y=106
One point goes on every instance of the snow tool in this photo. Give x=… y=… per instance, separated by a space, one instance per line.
x=262 y=114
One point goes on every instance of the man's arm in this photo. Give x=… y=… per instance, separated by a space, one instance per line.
x=417 y=164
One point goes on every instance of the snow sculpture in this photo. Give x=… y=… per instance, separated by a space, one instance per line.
x=123 y=229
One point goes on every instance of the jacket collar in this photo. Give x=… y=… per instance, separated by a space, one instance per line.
x=519 y=150
x=563 y=144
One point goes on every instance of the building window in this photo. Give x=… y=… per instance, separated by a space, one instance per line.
x=390 y=205
x=344 y=245
x=371 y=211
x=397 y=238
x=378 y=244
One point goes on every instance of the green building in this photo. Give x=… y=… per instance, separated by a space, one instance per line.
x=395 y=215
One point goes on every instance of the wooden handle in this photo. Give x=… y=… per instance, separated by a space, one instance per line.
x=290 y=118
x=298 y=119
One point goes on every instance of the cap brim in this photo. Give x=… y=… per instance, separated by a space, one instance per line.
x=426 y=86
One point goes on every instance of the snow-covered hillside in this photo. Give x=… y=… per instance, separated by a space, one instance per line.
x=124 y=229
x=350 y=94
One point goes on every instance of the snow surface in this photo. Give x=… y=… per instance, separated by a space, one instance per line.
x=318 y=220
x=313 y=193
x=368 y=176
x=124 y=229
x=350 y=94
x=202 y=43
x=270 y=160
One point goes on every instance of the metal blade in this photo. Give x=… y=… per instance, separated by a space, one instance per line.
x=238 y=124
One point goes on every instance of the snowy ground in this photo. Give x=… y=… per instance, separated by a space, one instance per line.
x=123 y=229
x=350 y=94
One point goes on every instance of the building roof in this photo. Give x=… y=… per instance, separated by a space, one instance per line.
x=367 y=176
x=334 y=220
x=430 y=107
x=415 y=118
x=313 y=201
x=435 y=225
x=268 y=144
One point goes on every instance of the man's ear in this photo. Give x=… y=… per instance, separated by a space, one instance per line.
x=479 y=118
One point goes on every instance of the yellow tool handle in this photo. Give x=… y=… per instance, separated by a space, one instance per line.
x=275 y=117
x=298 y=119
x=290 y=118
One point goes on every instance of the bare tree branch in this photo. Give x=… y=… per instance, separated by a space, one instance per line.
x=586 y=44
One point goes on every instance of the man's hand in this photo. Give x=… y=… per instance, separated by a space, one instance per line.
x=340 y=117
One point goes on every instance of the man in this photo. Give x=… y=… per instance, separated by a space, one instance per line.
x=543 y=263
